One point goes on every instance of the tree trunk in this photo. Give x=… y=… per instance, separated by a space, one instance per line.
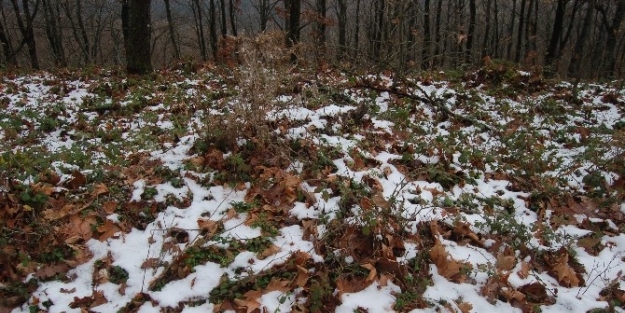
x=519 y=42
x=427 y=38
x=233 y=16
x=470 y=32
x=439 y=36
x=53 y=32
x=531 y=28
x=341 y=16
x=224 y=24
x=292 y=36
x=199 y=28
x=378 y=26
x=612 y=29
x=213 y=28
x=83 y=31
x=485 y=50
x=7 y=48
x=357 y=27
x=25 y=24
x=558 y=24
x=172 y=30
x=321 y=22
x=511 y=31
x=139 y=33
x=263 y=12
x=125 y=15
x=496 y=46
x=578 y=50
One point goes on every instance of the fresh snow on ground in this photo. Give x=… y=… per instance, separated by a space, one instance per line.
x=421 y=201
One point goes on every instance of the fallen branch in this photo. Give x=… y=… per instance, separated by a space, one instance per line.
x=436 y=103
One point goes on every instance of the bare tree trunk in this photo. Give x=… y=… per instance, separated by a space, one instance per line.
x=565 y=39
x=25 y=24
x=53 y=33
x=263 y=12
x=172 y=30
x=292 y=36
x=378 y=26
x=531 y=26
x=470 y=32
x=511 y=31
x=125 y=15
x=199 y=26
x=233 y=16
x=439 y=36
x=67 y=8
x=7 y=47
x=485 y=49
x=224 y=25
x=139 y=34
x=357 y=27
x=496 y=42
x=578 y=50
x=213 y=28
x=321 y=22
x=427 y=38
x=519 y=42
x=341 y=16
x=612 y=29
x=558 y=24
x=83 y=30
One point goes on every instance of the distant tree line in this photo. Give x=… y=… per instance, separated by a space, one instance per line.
x=572 y=38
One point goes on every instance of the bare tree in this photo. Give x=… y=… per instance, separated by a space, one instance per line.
x=234 y=4
x=612 y=29
x=25 y=23
x=139 y=32
x=556 y=33
x=172 y=30
x=471 y=31
x=578 y=51
x=293 y=7
x=5 y=42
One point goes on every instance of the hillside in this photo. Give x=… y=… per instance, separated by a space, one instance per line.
x=205 y=189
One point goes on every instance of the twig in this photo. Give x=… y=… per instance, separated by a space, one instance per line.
x=425 y=98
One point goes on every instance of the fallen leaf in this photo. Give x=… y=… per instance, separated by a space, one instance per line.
x=107 y=230
x=45 y=189
x=512 y=295
x=524 y=271
x=209 y=227
x=273 y=249
x=465 y=307
x=373 y=273
x=52 y=270
x=351 y=285
x=150 y=263
x=250 y=301
x=109 y=207
x=446 y=265
x=505 y=262
x=277 y=285
x=566 y=275
x=99 y=189
x=379 y=201
x=534 y=292
x=78 y=180
x=302 y=276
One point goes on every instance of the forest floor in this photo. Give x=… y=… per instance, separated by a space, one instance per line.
x=260 y=190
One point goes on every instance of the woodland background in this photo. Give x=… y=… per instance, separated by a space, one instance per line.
x=571 y=38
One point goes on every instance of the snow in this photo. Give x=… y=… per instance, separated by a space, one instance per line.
x=418 y=201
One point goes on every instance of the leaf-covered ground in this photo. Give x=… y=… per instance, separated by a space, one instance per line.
x=258 y=190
